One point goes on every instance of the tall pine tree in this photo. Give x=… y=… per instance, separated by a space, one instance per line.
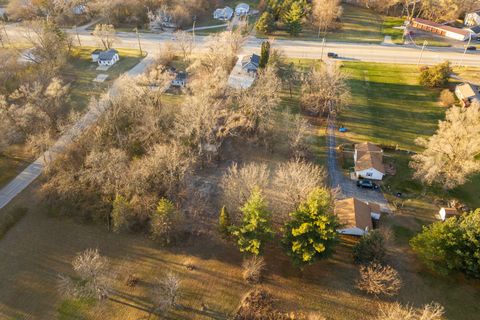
x=265 y=54
x=293 y=19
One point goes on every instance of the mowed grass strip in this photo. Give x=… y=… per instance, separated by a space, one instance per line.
x=388 y=105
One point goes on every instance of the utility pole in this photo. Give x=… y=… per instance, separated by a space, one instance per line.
x=193 y=29
x=138 y=39
x=425 y=43
x=78 y=36
x=466 y=48
x=323 y=48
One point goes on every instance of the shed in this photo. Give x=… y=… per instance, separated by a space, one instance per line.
x=224 y=14
x=242 y=9
x=446 y=213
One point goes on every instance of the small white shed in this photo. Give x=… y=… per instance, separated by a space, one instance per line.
x=446 y=213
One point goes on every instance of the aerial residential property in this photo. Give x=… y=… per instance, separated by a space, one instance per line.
x=224 y=14
x=239 y=160
x=368 y=159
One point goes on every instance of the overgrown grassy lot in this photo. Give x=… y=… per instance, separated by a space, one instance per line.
x=81 y=71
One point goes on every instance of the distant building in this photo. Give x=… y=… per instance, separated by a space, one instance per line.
x=180 y=79
x=446 y=213
x=440 y=29
x=368 y=159
x=250 y=64
x=79 y=9
x=472 y=19
x=242 y=9
x=475 y=30
x=467 y=93
x=108 y=57
x=356 y=216
x=224 y=14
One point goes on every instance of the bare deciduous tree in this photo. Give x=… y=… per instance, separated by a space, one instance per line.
x=324 y=14
x=297 y=135
x=325 y=91
x=93 y=277
x=396 y=311
x=184 y=42
x=295 y=179
x=238 y=183
x=253 y=269
x=449 y=157
x=379 y=280
x=166 y=292
x=105 y=35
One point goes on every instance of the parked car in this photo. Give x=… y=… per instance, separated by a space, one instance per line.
x=471 y=48
x=332 y=55
x=366 y=184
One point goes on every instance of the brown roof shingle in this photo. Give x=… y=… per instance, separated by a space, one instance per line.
x=354 y=213
x=369 y=155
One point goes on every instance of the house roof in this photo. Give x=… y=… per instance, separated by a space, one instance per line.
x=450 y=211
x=254 y=59
x=432 y=24
x=242 y=6
x=107 y=55
x=467 y=91
x=96 y=51
x=475 y=29
x=181 y=76
x=369 y=155
x=227 y=11
x=354 y=213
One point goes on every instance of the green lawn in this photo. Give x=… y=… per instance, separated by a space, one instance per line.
x=388 y=28
x=81 y=71
x=390 y=108
x=388 y=105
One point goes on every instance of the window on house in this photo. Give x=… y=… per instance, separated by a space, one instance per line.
x=369 y=174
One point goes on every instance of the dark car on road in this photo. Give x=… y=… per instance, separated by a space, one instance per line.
x=332 y=55
x=471 y=48
x=367 y=184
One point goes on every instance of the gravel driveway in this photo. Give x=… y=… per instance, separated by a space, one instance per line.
x=348 y=188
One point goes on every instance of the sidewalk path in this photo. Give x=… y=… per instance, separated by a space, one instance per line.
x=33 y=171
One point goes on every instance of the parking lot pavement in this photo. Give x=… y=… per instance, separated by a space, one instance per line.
x=347 y=187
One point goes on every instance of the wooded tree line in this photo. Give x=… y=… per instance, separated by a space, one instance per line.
x=116 y=12
x=33 y=95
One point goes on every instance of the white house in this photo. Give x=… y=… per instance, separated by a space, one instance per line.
x=250 y=64
x=242 y=9
x=446 y=213
x=108 y=57
x=180 y=79
x=472 y=19
x=368 y=159
x=356 y=216
x=79 y=9
x=224 y=14
x=96 y=55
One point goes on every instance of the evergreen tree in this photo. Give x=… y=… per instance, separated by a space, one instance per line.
x=451 y=245
x=255 y=229
x=121 y=212
x=293 y=19
x=224 y=221
x=265 y=54
x=266 y=23
x=311 y=233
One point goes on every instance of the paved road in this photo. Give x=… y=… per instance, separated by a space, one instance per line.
x=33 y=171
x=347 y=188
x=299 y=49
